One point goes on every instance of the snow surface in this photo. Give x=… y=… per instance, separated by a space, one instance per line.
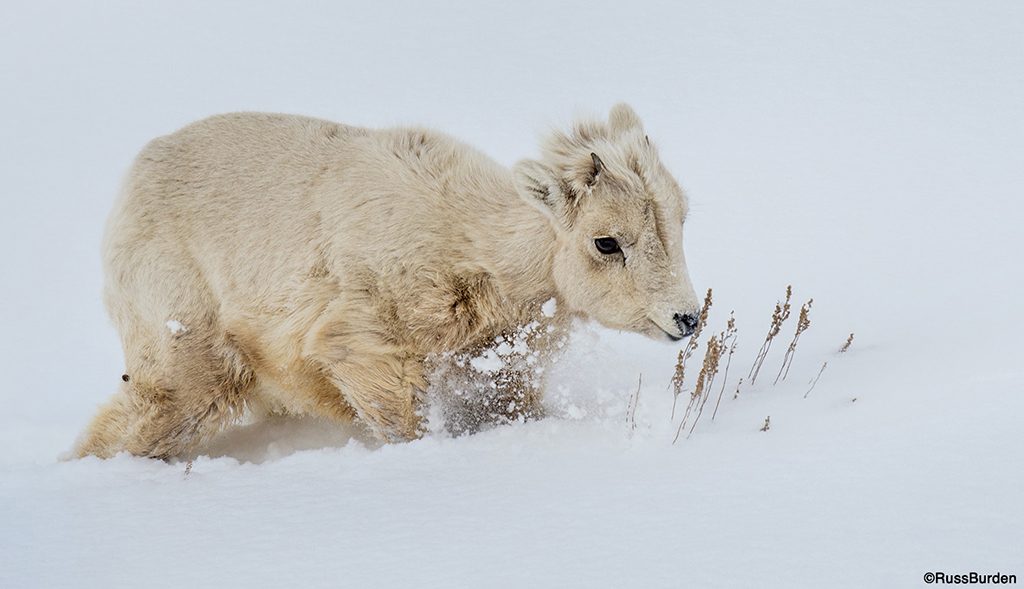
x=549 y=308
x=489 y=361
x=869 y=153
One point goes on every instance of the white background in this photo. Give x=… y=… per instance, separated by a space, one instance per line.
x=869 y=153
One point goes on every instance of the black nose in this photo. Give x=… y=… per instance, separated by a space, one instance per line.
x=686 y=323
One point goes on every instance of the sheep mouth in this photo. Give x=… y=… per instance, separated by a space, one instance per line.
x=673 y=337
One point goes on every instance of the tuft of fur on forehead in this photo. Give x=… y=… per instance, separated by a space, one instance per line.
x=627 y=155
x=596 y=155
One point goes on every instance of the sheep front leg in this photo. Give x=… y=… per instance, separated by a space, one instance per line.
x=385 y=390
x=379 y=379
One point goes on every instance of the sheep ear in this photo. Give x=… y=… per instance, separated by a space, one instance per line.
x=598 y=167
x=623 y=118
x=538 y=184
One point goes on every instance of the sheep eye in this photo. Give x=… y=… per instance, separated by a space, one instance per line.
x=607 y=245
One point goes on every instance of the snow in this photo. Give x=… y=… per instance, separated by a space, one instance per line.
x=549 y=308
x=175 y=327
x=868 y=153
x=489 y=361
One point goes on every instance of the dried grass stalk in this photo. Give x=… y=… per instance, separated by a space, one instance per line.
x=729 y=342
x=802 y=324
x=634 y=399
x=779 y=316
x=846 y=345
x=702 y=389
x=709 y=370
x=679 y=376
x=767 y=424
x=815 y=381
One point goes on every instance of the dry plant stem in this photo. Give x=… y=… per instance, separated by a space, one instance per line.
x=779 y=316
x=730 y=334
x=815 y=381
x=698 y=391
x=705 y=376
x=719 y=347
x=708 y=372
x=689 y=408
x=680 y=373
x=846 y=346
x=725 y=380
x=677 y=376
x=736 y=395
x=702 y=389
x=767 y=424
x=802 y=324
x=634 y=400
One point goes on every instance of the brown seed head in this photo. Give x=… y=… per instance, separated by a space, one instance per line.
x=846 y=346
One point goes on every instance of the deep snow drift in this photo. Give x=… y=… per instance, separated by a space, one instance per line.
x=867 y=154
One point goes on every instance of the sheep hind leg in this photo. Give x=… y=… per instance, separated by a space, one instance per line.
x=168 y=415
